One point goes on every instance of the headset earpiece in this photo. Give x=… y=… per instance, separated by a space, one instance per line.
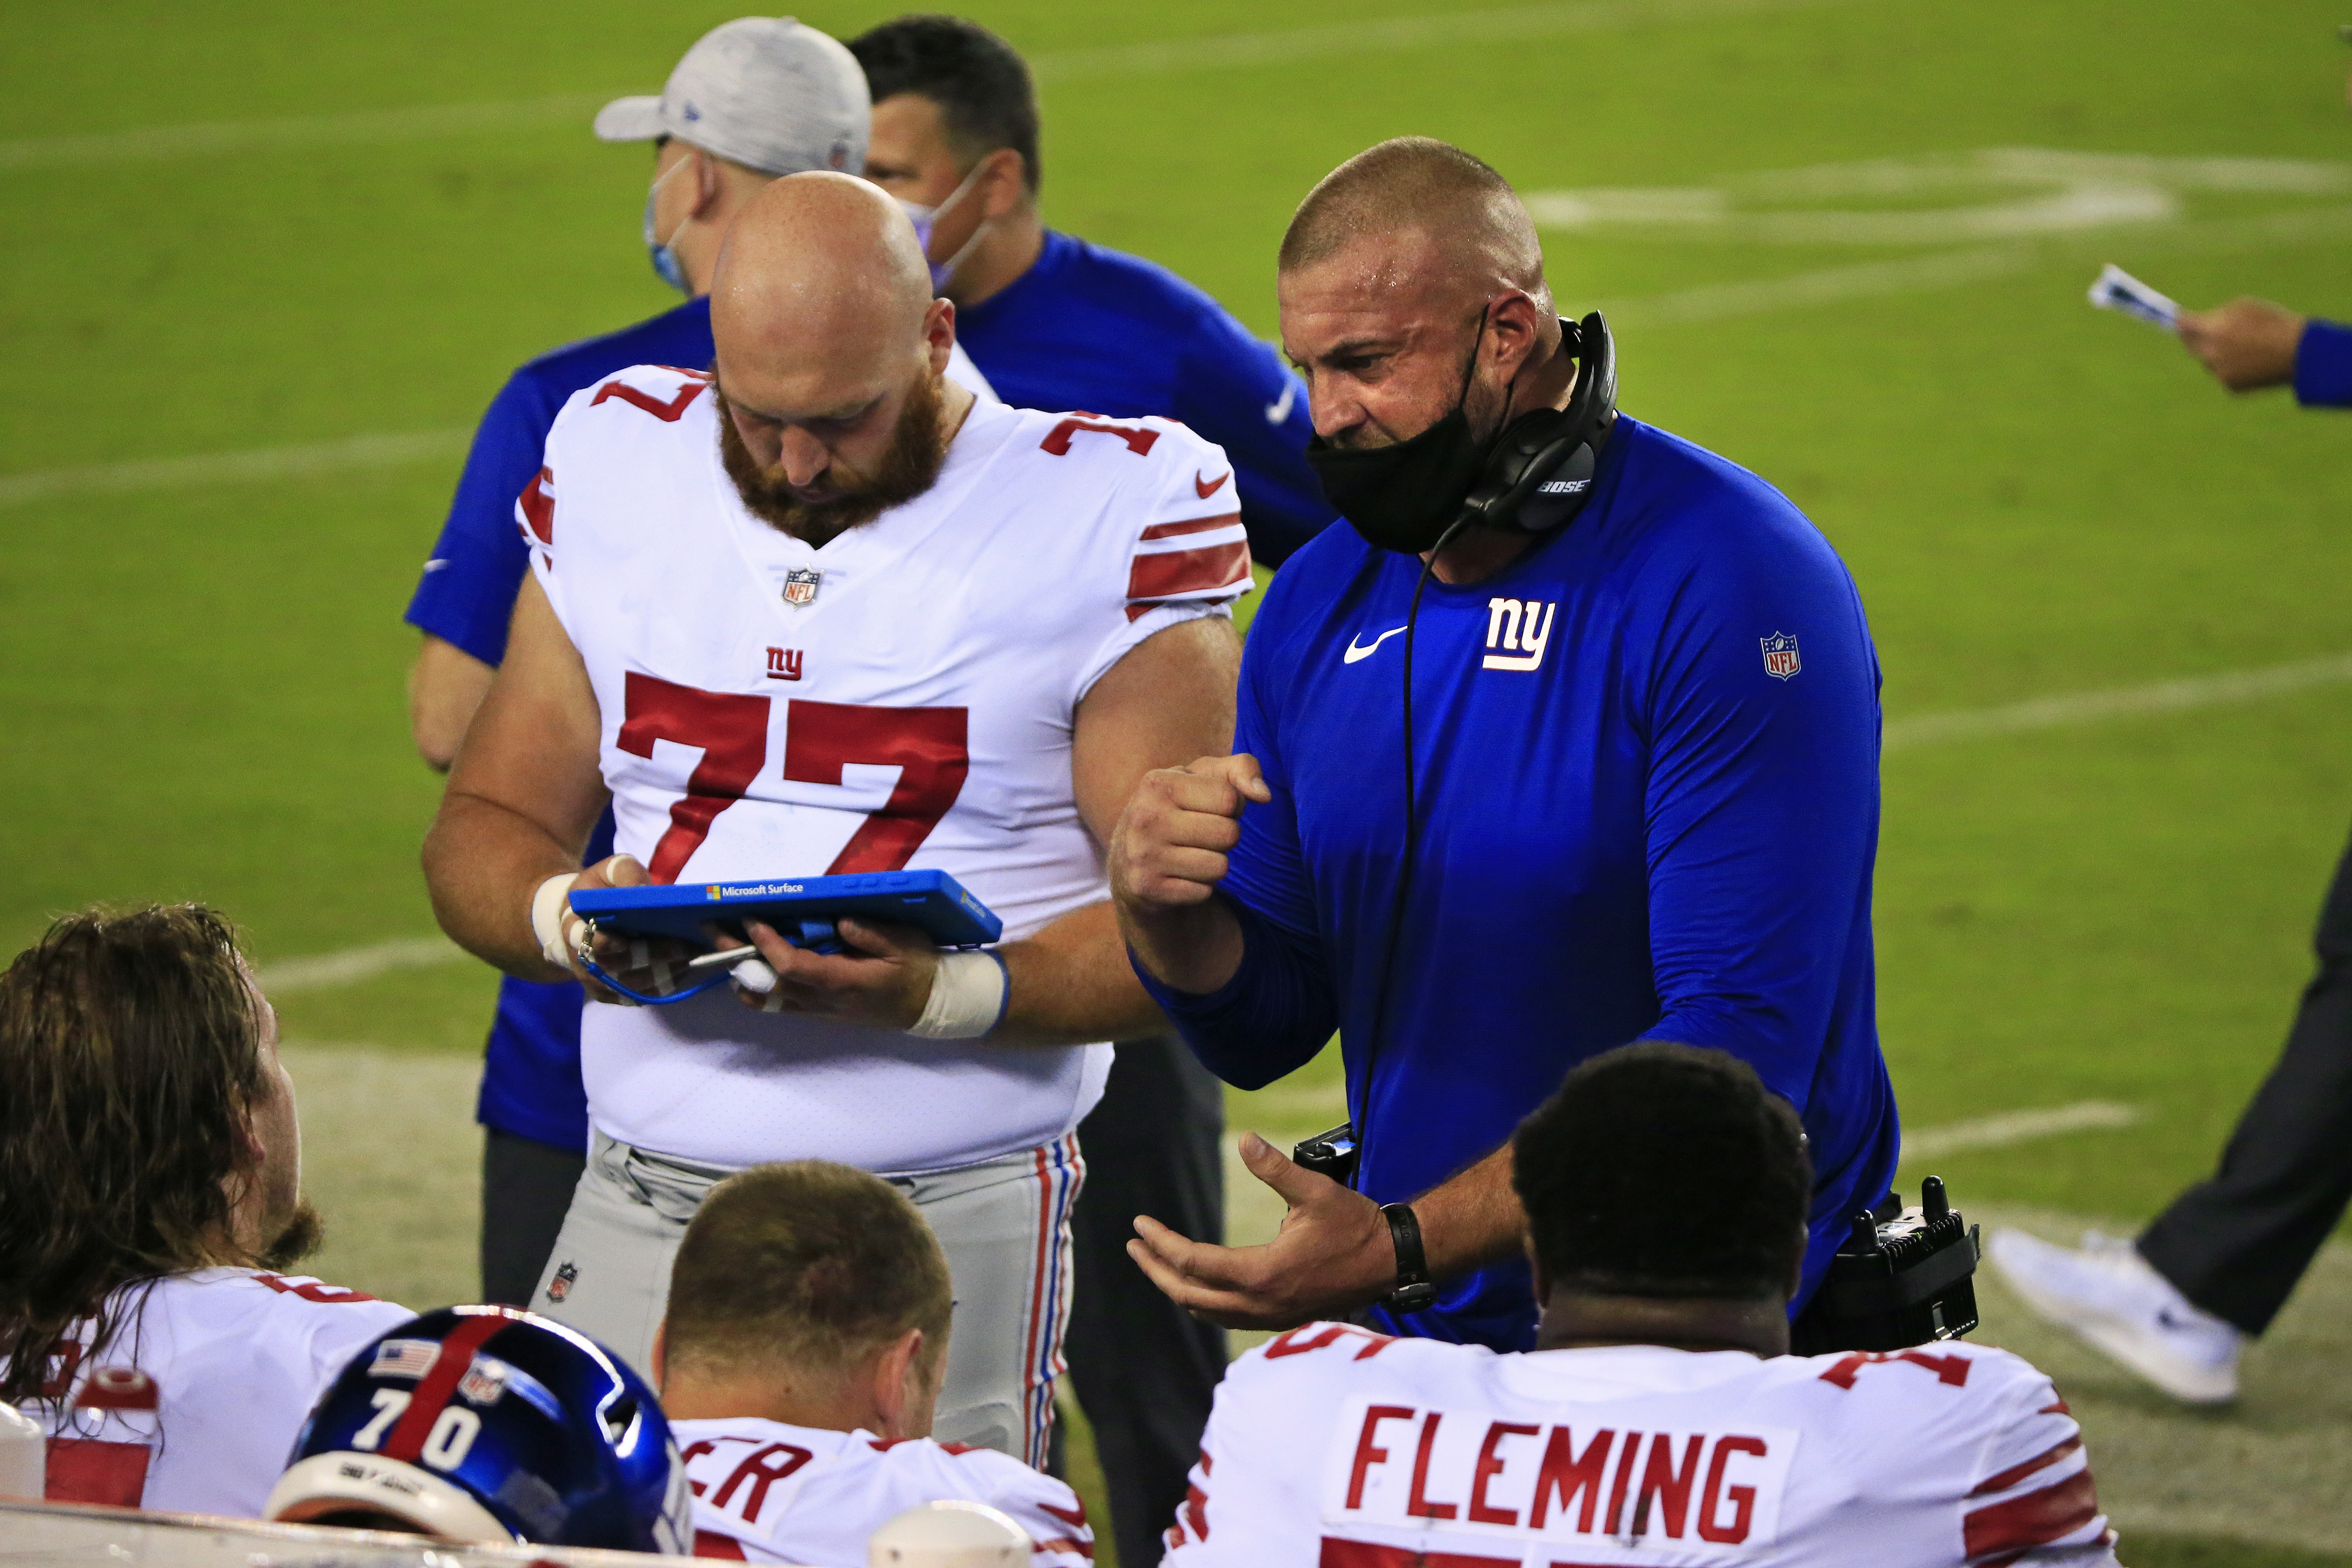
x=1541 y=471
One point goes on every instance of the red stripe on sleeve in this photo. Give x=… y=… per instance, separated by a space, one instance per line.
x=2016 y=1473
x=1189 y=571
x=2037 y=1518
x=539 y=506
x=1192 y=525
x=440 y=1381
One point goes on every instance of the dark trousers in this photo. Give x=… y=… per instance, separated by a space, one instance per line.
x=526 y=1190
x=1144 y=1369
x=2236 y=1245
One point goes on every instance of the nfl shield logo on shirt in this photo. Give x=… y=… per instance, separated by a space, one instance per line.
x=1780 y=655
x=800 y=585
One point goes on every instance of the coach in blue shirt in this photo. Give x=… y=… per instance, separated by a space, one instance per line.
x=1645 y=784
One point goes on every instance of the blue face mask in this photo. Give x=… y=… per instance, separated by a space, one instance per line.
x=924 y=218
x=666 y=263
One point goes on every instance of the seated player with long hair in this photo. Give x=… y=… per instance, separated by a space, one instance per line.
x=150 y=1175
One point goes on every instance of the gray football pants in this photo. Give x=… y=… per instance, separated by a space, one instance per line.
x=1004 y=1225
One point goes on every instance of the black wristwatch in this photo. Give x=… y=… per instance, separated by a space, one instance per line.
x=1415 y=1290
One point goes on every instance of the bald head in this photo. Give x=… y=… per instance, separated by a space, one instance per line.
x=1413 y=207
x=819 y=270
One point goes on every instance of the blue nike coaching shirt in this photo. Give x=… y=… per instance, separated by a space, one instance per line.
x=1083 y=328
x=1647 y=770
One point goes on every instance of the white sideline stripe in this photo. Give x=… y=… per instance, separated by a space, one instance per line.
x=1978 y=264
x=2015 y=1127
x=228 y=467
x=2117 y=702
x=356 y=964
x=1237 y=50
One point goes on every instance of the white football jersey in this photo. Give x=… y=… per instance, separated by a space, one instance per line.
x=196 y=1401
x=1336 y=1447
x=766 y=1492
x=903 y=697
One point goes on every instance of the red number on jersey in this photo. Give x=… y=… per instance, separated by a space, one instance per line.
x=666 y=413
x=731 y=730
x=311 y=1289
x=1139 y=439
x=927 y=744
x=1948 y=1369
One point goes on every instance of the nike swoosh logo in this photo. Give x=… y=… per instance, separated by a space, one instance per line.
x=1279 y=410
x=1367 y=649
x=1210 y=487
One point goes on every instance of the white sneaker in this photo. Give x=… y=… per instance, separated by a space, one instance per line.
x=2108 y=1294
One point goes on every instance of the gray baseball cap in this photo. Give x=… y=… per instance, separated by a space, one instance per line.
x=762 y=91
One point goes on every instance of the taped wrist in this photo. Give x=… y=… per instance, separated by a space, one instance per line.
x=548 y=907
x=970 y=991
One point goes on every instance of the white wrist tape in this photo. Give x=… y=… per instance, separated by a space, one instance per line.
x=970 y=991
x=547 y=908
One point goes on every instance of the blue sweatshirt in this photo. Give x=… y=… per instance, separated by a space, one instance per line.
x=1647 y=766
x=2322 y=366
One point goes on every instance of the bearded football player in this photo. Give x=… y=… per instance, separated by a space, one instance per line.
x=821 y=613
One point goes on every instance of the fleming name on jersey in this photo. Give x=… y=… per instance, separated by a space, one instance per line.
x=903 y=696
x=1333 y=1445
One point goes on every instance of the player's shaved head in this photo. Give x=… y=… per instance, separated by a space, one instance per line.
x=1420 y=209
x=831 y=353
x=819 y=268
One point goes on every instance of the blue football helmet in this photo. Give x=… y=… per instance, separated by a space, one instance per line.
x=488 y=1423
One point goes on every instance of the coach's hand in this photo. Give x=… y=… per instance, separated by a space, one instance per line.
x=652 y=966
x=1167 y=856
x=2248 y=344
x=882 y=981
x=1332 y=1255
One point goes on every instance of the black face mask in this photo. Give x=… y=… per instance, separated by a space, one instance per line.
x=1404 y=496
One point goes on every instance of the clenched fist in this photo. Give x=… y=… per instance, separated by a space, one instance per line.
x=2247 y=343
x=1167 y=855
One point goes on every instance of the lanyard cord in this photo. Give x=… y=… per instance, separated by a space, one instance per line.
x=1363 y=1106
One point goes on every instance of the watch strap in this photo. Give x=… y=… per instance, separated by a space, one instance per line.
x=1415 y=1290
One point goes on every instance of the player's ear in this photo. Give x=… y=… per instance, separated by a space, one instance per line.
x=901 y=1394
x=660 y=1357
x=939 y=333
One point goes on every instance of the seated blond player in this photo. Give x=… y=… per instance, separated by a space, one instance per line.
x=800 y=1365
x=1660 y=1419
x=151 y=1175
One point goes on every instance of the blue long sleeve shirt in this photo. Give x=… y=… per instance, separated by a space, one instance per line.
x=1646 y=756
x=2322 y=366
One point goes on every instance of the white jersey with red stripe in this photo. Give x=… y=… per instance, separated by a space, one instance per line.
x=1336 y=1446
x=767 y=1492
x=206 y=1378
x=903 y=696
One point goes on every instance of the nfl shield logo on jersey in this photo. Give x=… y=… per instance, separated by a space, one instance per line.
x=1780 y=655
x=799 y=584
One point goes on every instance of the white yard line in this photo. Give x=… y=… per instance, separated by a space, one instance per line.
x=1234 y=50
x=2117 y=702
x=230 y=468
x=2014 y=1127
x=353 y=964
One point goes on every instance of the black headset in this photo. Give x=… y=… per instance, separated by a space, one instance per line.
x=1541 y=472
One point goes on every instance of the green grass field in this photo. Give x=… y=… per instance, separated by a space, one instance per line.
x=201 y=675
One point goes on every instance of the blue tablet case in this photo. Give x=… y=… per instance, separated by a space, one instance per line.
x=932 y=900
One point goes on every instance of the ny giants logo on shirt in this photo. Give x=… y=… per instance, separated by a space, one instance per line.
x=784 y=664
x=1708 y=1492
x=1521 y=629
